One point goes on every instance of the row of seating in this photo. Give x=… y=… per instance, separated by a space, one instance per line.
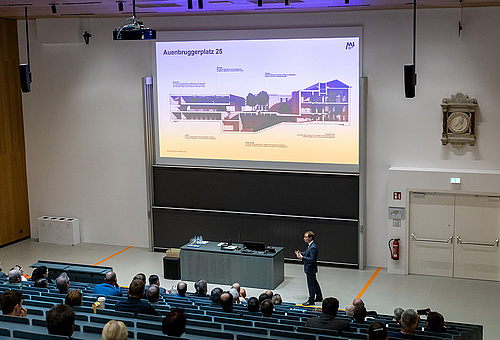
x=204 y=320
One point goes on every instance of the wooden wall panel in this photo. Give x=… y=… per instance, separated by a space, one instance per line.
x=14 y=210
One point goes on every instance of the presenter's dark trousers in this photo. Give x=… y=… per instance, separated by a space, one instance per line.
x=313 y=287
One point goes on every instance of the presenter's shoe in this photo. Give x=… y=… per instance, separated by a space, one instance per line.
x=308 y=303
x=318 y=299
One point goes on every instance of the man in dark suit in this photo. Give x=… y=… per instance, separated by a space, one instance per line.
x=310 y=260
x=328 y=320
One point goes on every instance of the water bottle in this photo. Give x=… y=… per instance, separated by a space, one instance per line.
x=201 y=240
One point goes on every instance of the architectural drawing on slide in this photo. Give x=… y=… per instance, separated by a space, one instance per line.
x=320 y=102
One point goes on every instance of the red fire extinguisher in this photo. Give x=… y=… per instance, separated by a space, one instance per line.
x=394 y=249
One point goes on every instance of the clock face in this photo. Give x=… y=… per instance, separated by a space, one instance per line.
x=458 y=122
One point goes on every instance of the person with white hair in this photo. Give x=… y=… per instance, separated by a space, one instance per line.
x=409 y=323
x=114 y=330
x=235 y=294
x=14 y=278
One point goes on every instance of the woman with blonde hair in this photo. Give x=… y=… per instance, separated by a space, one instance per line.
x=114 y=330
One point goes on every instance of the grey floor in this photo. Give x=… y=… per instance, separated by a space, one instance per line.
x=461 y=300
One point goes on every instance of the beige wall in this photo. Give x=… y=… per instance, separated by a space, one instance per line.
x=84 y=128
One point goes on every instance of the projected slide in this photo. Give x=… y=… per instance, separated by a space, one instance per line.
x=272 y=101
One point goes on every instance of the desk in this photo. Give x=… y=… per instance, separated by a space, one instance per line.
x=250 y=269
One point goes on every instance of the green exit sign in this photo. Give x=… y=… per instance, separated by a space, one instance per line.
x=455 y=180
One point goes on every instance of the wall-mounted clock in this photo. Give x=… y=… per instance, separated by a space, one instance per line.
x=459 y=120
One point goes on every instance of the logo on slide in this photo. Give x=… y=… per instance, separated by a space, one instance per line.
x=350 y=45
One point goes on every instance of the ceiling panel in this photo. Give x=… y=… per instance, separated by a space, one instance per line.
x=109 y=8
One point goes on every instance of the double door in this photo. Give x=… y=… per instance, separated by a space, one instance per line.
x=454 y=235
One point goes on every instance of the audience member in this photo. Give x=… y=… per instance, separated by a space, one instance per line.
x=349 y=310
x=377 y=331
x=253 y=305
x=182 y=289
x=133 y=303
x=174 y=324
x=358 y=302
x=114 y=330
x=267 y=308
x=109 y=287
x=140 y=276
x=263 y=297
x=201 y=287
x=235 y=294
x=42 y=283
x=61 y=320
x=153 y=294
x=359 y=314
x=62 y=283
x=215 y=296
x=269 y=293
x=41 y=272
x=236 y=286
x=155 y=280
x=328 y=319
x=24 y=277
x=397 y=315
x=435 y=322
x=277 y=300
x=226 y=302
x=14 y=278
x=73 y=298
x=409 y=322
x=12 y=303
x=243 y=295
x=2 y=274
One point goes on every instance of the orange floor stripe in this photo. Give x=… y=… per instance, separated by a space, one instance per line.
x=107 y=258
x=368 y=283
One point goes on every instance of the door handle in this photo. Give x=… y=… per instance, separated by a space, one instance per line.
x=493 y=244
x=414 y=237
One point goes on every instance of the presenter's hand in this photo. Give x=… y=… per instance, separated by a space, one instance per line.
x=297 y=253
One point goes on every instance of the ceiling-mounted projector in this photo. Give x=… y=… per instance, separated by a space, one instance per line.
x=134 y=31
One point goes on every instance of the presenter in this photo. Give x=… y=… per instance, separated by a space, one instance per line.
x=310 y=260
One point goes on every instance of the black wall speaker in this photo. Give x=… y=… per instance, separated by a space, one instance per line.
x=24 y=72
x=410 y=78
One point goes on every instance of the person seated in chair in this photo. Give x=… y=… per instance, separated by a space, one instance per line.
x=359 y=314
x=182 y=289
x=253 y=306
x=174 y=323
x=215 y=296
x=267 y=308
x=14 y=278
x=155 y=280
x=435 y=322
x=114 y=330
x=226 y=302
x=11 y=302
x=377 y=331
x=133 y=303
x=201 y=288
x=153 y=294
x=62 y=283
x=109 y=287
x=409 y=323
x=328 y=319
x=61 y=320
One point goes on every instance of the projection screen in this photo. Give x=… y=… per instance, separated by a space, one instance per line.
x=264 y=99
